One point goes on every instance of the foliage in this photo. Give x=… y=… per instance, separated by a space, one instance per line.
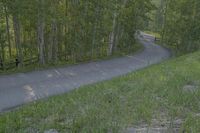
x=178 y=23
x=68 y=30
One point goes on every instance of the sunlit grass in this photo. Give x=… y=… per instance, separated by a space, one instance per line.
x=157 y=35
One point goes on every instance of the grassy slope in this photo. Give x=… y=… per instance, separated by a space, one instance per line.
x=136 y=98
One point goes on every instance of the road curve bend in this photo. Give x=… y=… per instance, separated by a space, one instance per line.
x=22 y=88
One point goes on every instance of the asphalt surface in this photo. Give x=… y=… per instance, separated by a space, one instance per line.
x=22 y=88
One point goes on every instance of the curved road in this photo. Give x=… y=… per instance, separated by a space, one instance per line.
x=21 y=88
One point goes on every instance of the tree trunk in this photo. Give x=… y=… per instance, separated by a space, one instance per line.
x=55 y=40
x=50 y=48
x=112 y=36
x=66 y=30
x=16 y=26
x=165 y=9
x=97 y=12
x=2 y=50
x=41 y=26
x=8 y=31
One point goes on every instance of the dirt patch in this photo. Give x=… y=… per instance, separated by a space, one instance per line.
x=158 y=126
x=152 y=130
x=51 y=131
x=191 y=87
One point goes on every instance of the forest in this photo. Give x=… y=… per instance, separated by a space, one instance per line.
x=39 y=32
x=52 y=31
x=178 y=23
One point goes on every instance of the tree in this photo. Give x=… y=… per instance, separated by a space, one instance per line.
x=41 y=26
x=180 y=29
x=69 y=30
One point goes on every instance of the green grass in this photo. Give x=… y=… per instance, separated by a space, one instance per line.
x=110 y=106
x=157 y=35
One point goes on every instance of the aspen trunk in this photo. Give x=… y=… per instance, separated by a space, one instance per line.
x=41 y=41
x=112 y=36
x=2 y=50
x=16 y=26
x=55 y=40
x=41 y=26
x=50 y=48
x=8 y=31
x=97 y=12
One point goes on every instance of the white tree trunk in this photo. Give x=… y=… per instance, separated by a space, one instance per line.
x=55 y=40
x=97 y=11
x=8 y=30
x=16 y=27
x=41 y=26
x=112 y=36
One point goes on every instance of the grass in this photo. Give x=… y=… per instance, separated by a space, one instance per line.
x=111 y=106
x=157 y=35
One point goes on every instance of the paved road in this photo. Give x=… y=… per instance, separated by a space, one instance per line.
x=21 y=88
